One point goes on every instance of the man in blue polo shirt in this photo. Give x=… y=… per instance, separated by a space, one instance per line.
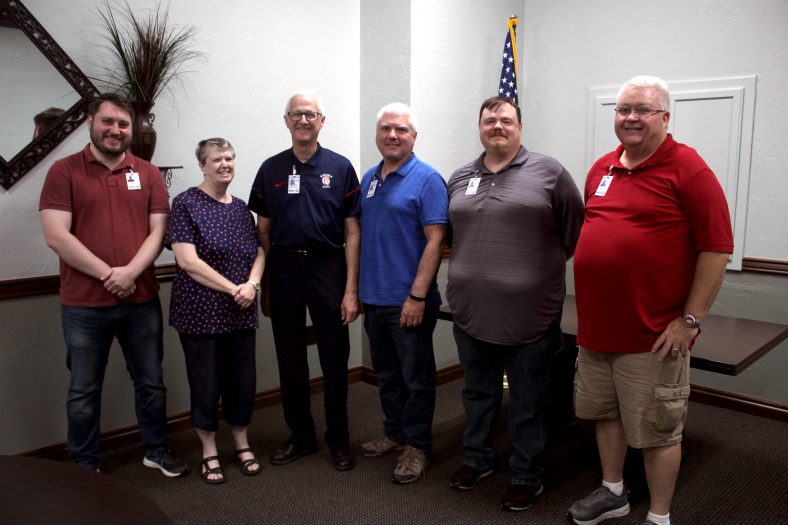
x=404 y=216
x=307 y=201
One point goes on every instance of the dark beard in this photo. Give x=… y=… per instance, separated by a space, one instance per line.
x=96 y=139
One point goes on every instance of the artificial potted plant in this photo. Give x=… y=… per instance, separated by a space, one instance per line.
x=149 y=53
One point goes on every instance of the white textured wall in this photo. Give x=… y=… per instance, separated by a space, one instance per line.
x=257 y=54
x=456 y=59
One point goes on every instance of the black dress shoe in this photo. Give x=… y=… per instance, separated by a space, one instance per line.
x=342 y=458
x=291 y=452
x=468 y=477
x=521 y=497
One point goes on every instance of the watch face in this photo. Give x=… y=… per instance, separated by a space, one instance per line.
x=690 y=321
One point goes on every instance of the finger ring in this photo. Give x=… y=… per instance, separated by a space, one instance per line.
x=675 y=348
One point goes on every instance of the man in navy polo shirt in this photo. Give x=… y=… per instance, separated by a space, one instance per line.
x=307 y=201
x=404 y=216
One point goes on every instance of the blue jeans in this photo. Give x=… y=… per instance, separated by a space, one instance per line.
x=528 y=371
x=88 y=333
x=404 y=364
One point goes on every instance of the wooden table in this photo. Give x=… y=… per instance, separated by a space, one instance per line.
x=728 y=345
x=42 y=491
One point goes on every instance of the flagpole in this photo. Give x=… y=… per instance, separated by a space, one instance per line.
x=512 y=24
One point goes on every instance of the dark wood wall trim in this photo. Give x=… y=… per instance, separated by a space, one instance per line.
x=739 y=402
x=50 y=284
x=751 y=264
x=129 y=436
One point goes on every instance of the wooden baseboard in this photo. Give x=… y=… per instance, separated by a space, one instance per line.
x=130 y=435
x=739 y=402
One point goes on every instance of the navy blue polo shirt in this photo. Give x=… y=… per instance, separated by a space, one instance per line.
x=314 y=216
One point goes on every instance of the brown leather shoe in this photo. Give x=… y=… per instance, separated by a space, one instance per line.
x=291 y=452
x=342 y=458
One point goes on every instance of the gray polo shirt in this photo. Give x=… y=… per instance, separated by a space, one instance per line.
x=511 y=239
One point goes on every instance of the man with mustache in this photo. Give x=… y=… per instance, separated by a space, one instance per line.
x=104 y=212
x=403 y=226
x=307 y=202
x=516 y=217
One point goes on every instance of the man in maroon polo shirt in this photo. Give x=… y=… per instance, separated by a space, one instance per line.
x=104 y=212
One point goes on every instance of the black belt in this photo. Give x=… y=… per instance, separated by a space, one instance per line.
x=306 y=250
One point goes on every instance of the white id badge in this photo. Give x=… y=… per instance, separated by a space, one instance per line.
x=133 y=181
x=294 y=183
x=604 y=184
x=473 y=186
x=372 y=187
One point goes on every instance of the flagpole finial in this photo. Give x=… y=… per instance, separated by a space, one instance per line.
x=513 y=17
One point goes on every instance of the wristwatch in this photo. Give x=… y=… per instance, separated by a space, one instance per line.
x=690 y=321
x=255 y=284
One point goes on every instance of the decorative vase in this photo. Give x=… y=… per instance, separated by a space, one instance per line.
x=143 y=136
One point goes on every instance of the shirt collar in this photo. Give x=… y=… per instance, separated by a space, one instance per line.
x=128 y=161
x=518 y=160
x=654 y=159
x=312 y=161
x=403 y=170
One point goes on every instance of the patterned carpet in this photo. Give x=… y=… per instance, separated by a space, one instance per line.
x=735 y=472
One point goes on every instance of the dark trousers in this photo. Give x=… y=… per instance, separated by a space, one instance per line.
x=404 y=363
x=528 y=372
x=221 y=366
x=88 y=333
x=314 y=280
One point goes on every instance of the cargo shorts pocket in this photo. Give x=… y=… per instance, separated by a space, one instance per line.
x=670 y=407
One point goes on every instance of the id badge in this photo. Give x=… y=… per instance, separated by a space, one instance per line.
x=473 y=186
x=604 y=185
x=294 y=183
x=133 y=181
x=372 y=187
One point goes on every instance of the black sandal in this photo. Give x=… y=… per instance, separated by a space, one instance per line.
x=247 y=464
x=206 y=471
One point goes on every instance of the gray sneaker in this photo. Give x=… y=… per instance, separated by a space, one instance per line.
x=165 y=460
x=599 y=506
x=410 y=466
x=380 y=446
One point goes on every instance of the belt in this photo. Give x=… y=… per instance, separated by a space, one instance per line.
x=305 y=251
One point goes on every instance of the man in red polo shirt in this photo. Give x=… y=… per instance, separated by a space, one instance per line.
x=650 y=260
x=104 y=212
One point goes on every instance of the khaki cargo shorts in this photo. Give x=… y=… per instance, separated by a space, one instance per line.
x=649 y=397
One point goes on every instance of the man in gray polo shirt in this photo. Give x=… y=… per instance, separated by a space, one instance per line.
x=516 y=217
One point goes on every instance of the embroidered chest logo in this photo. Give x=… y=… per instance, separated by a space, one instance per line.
x=326 y=180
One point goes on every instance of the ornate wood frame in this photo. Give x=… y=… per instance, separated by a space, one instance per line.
x=11 y=171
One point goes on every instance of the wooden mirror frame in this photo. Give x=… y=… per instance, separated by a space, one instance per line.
x=11 y=171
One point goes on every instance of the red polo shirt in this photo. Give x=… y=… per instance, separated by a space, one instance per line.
x=108 y=216
x=643 y=229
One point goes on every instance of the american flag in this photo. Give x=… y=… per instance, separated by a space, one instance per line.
x=508 y=86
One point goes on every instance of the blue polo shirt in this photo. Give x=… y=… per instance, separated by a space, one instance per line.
x=314 y=216
x=392 y=230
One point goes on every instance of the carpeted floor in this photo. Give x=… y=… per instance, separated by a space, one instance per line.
x=735 y=473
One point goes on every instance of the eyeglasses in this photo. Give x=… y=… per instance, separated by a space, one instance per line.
x=641 y=111
x=295 y=116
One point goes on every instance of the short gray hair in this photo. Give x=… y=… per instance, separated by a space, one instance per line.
x=646 y=81
x=400 y=109
x=217 y=142
x=307 y=93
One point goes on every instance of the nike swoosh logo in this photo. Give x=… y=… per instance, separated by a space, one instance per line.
x=279 y=184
